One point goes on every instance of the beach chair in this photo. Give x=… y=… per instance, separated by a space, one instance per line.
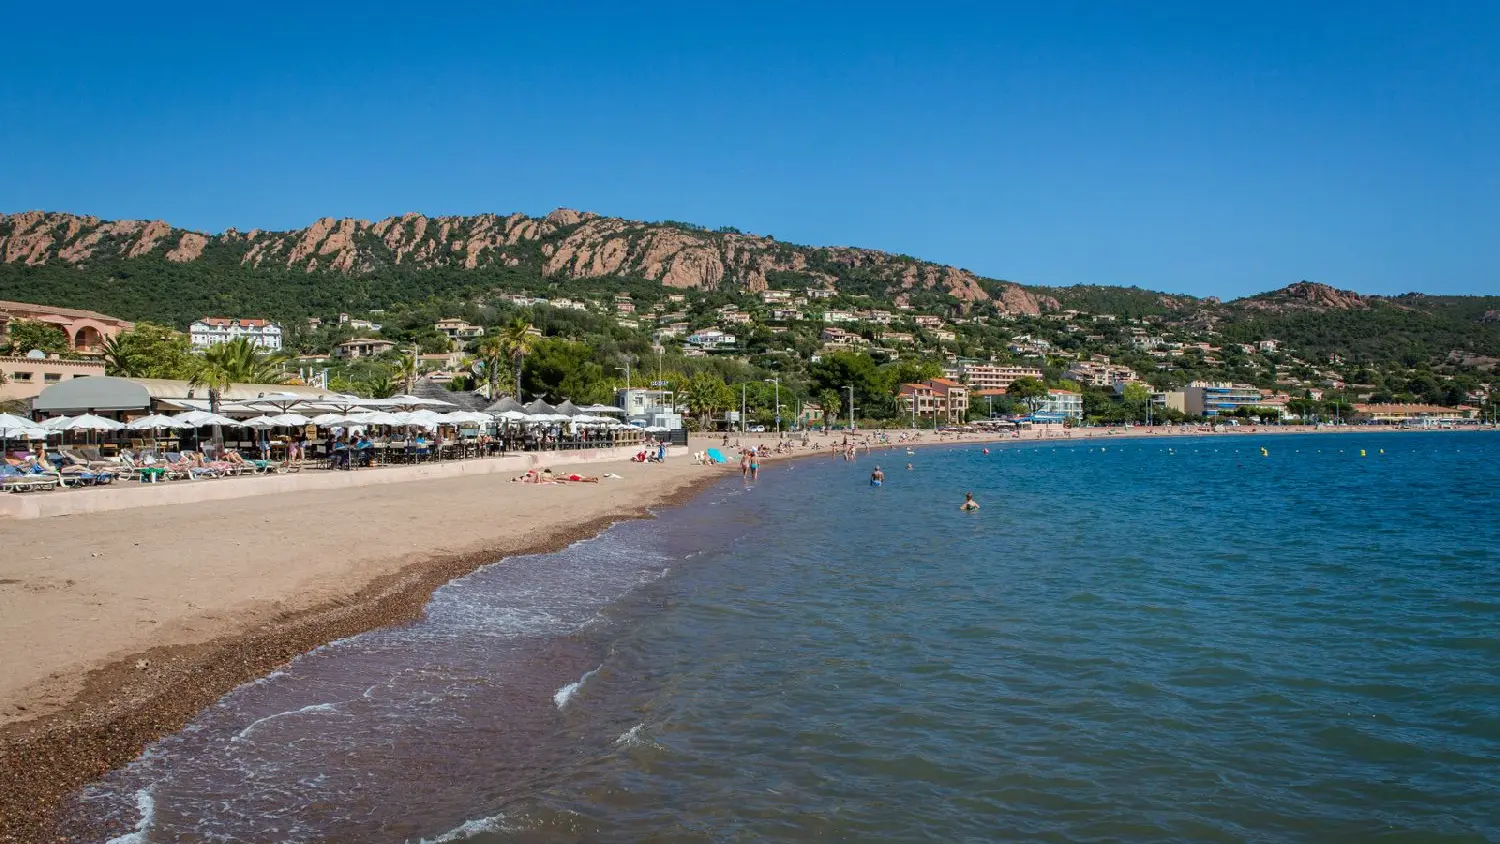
x=15 y=480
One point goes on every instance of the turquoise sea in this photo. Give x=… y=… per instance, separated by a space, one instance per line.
x=1132 y=641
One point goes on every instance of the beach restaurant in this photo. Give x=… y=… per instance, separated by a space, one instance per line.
x=281 y=422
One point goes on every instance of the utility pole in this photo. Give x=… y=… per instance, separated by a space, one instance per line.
x=742 y=408
x=851 y=406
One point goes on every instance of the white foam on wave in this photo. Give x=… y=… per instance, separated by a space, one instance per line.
x=631 y=736
x=469 y=829
x=146 y=806
x=316 y=707
x=566 y=693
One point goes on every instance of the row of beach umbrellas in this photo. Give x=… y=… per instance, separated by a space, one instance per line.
x=342 y=410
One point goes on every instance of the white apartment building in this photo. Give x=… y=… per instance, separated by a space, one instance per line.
x=211 y=331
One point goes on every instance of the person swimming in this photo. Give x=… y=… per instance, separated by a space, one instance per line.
x=969 y=502
x=877 y=477
x=908 y=467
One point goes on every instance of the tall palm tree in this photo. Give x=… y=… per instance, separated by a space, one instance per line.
x=491 y=353
x=519 y=339
x=119 y=360
x=236 y=362
x=407 y=370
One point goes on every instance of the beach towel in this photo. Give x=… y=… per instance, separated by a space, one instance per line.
x=716 y=456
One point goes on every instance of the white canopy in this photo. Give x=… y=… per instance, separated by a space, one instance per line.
x=514 y=416
x=603 y=408
x=467 y=416
x=200 y=418
x=81 y=422
x=408 y=400
x=154 y=422
x=375 y=417
x=291 y=420
x=326 y=419
x=19 y=427
x=260 y=422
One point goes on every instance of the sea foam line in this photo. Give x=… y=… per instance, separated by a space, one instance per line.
x=566 y=693
x=146 y=805
x=316 y=707
x=469 y=829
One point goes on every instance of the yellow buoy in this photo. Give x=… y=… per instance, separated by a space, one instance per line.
x=1361 y=452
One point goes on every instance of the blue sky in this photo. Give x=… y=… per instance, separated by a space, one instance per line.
x=1207 y=148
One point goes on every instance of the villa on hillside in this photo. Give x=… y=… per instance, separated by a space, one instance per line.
x=456 y=329
x=86 y=330
x=362 y=347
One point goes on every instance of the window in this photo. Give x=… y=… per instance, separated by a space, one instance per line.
x=51 y=377
x=22 y=376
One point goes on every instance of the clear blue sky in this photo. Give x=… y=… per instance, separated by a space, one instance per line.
x=1208 y=148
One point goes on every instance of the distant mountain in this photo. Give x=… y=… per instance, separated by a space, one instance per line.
x=564 y=244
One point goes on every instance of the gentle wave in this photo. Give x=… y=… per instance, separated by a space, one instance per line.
x=565 y=694
x=146 y=806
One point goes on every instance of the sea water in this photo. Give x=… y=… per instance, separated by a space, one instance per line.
x=1136 y=640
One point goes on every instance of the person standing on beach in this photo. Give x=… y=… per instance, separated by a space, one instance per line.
x=744 y=464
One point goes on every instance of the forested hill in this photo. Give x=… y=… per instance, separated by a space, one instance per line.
x=152 y=270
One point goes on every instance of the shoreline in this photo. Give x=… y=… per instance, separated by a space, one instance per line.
x=115 y=709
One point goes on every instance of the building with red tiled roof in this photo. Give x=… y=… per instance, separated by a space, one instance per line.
x=937 y=398
x=212 y=330
x=86 y=330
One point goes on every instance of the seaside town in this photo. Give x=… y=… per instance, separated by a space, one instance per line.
x=783 y=360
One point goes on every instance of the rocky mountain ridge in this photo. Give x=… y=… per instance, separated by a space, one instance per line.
x=564 y=244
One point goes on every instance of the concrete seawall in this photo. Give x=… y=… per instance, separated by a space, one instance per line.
x=123 y=495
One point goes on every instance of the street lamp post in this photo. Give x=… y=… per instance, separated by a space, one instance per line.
x=777 y=382
x=850 y=388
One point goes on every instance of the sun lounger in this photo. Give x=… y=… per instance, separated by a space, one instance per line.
x=15 y=480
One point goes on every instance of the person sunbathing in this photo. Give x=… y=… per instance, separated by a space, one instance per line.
x=582 y=479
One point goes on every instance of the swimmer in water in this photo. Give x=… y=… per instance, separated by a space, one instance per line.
x=877 y=477
x=969 y=502
x=908 y=467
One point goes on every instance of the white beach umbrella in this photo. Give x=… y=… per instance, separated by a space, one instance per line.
x=18 y=427
x=292 y=420
x=82 y=422
x=259 y=422
x=154 y=422
x=324 y=420
x=514 y=415
x=202 y=418
x=603 y=408
x=376 y=417
x=408 y=400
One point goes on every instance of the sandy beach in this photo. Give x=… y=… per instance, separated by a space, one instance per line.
x=121 y=625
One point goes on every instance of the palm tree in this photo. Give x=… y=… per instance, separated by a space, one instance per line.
x=706 y=394
x=407 y=370
x=490 y=354
x=236 y=362
x=118 y=359
x=518 y=339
